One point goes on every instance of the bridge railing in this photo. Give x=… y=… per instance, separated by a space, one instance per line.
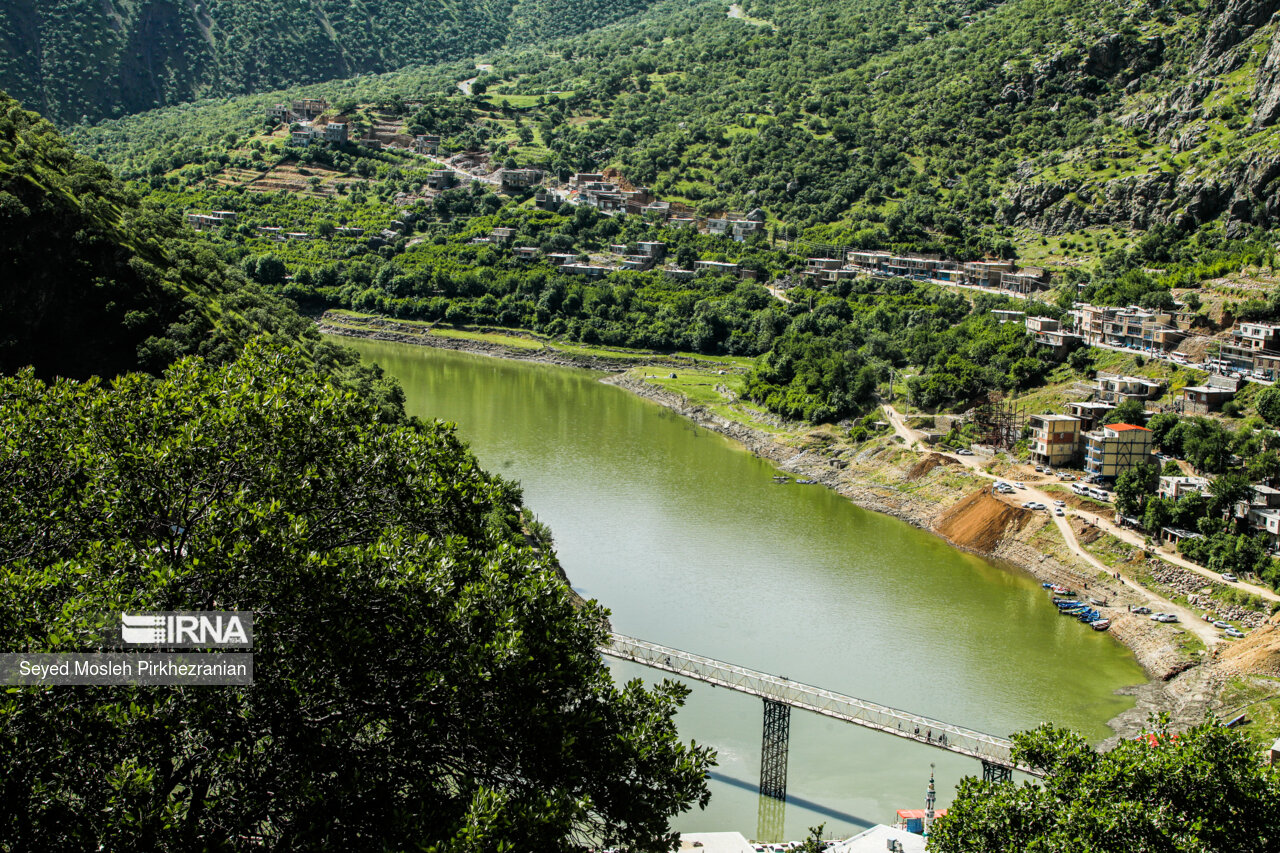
x=926 y=730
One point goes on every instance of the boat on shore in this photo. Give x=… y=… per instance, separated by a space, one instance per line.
x=1100 y=624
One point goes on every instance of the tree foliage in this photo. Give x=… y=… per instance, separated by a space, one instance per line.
x=422 y=676
x=1199 y=790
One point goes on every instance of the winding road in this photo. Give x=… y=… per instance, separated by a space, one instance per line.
x=1189 y=619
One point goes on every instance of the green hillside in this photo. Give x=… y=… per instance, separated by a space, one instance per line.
x=95 y=281
x=1059 y=130
x=86 y=59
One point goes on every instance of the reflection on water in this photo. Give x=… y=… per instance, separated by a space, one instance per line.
x=690 y=543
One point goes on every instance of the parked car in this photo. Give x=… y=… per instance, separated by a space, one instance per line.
x=964 y=451
x=1059 y=512
x=1163 y=617
x=1019 y=484
x=1230 y=578
x=1218 y=623
x=1141 y=608
x=1059 y=503
x=1233 y=632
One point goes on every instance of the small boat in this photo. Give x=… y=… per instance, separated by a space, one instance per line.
x=1046 y=585
x=806 y=482
x=781 y=479
x=1098 y=602
x=1061 y=590
x=1100 y=624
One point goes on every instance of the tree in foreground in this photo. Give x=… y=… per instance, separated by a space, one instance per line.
x=1201 y=790
x=423 y=679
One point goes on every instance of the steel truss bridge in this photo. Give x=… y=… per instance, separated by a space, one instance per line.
x=780 y=695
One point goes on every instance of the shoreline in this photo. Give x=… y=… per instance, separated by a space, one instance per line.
x=1183 y=689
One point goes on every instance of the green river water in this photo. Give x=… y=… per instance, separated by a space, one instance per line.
x=685 y=538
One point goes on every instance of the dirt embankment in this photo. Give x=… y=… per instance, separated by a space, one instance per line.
x=980 y=522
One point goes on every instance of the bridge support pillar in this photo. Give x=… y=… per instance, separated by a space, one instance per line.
x=996 y=772
x=773 y=750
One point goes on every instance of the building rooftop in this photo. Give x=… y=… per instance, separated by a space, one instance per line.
x=877 y=839
x=1125 y=427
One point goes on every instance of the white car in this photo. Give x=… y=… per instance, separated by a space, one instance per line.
x=1233 y=632
x=1019 y=484
x=1229 y=578
x=1163 y=617
x=1059 y=503
x=1058 y=512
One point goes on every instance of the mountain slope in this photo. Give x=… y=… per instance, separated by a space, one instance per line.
x=93 y=281
x=86 y=59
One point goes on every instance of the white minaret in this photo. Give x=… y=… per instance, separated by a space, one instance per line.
x=929 y=800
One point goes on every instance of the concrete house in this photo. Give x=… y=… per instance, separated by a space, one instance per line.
x=1203 y=399
x=1177 y=488
x=1248 y=340
x=1116 y=389
x=716 y=268
x=1113 y=449
x=441 y=179
x=514 y=179
x=1055 y=439
x=336 y=133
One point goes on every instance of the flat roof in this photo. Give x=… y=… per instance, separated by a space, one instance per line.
x=1124 y=427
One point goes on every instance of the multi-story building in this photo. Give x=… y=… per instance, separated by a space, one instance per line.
x=1115 y=389
x=304 y=136
x=1049 y=332
x=309 y=108
x=871 y=262
x=1261 y=513
x=738 y=229
x=1115 y=448
x=1090 y=412
x=336 y=133
x=1091 y=321
x=1135 y=328
x=1025 y=280
x=502 y=235
x=986 y=273
x=1248 y=341
x=520 y=178
x=1055 y=439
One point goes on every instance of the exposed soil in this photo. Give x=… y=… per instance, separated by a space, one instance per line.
x=979 y=522
x=928 y=463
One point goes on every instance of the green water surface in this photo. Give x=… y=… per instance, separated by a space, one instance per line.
x=685 y=537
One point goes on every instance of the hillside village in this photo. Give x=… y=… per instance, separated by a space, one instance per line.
x=1082 y=436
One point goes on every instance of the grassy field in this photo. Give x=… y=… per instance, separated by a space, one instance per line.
x=1258 y=697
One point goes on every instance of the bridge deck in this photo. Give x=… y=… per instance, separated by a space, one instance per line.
x=925 y=730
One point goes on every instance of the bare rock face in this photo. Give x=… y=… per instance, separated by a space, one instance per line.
x=1236 y=21
x=1266 y=94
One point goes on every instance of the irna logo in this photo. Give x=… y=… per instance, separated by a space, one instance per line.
x=187 y=630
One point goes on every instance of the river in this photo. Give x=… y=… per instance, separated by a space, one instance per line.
x=685 y=537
